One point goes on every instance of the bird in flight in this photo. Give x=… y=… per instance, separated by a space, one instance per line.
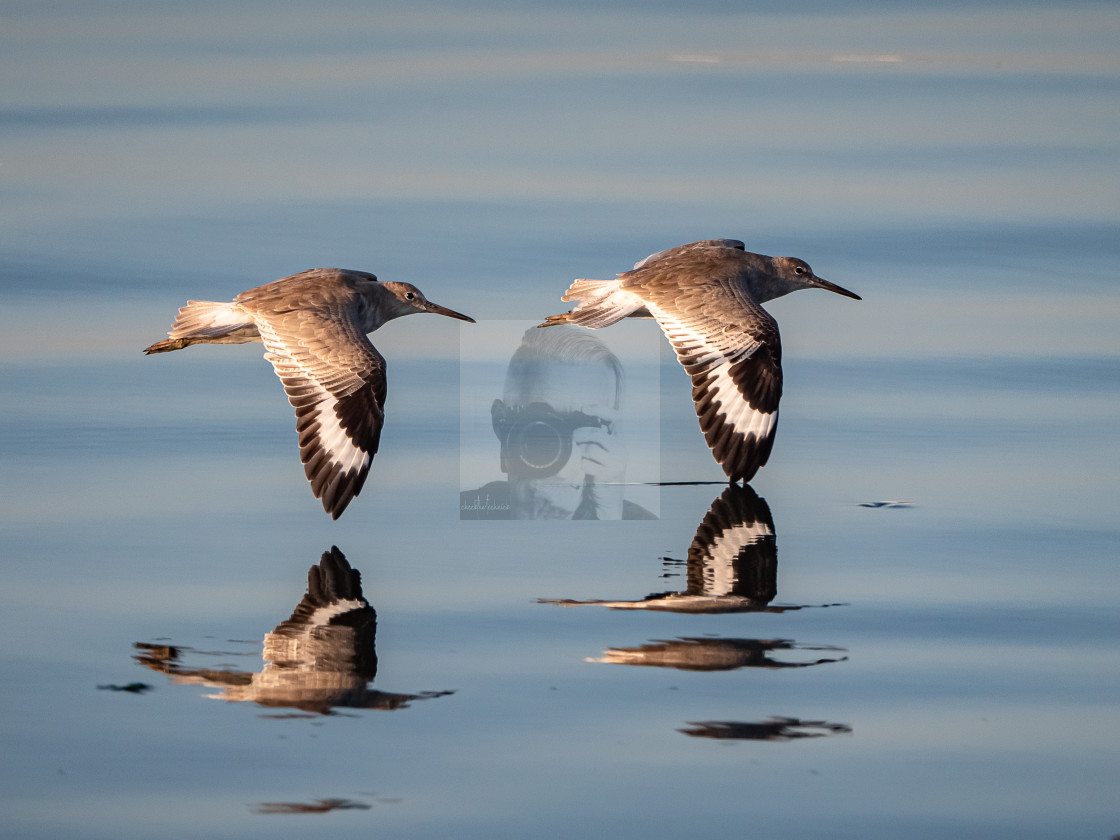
x=707 y=297
x=314 y=326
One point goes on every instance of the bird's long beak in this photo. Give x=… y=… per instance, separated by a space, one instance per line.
x=832 y=287
x=436 y=309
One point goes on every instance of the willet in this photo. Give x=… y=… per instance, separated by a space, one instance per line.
x=707 y=297
x=313 y=326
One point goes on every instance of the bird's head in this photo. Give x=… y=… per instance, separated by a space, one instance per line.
x=406 y=299
x=794 y=274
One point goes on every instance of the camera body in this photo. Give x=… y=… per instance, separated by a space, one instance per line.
x=536 y=439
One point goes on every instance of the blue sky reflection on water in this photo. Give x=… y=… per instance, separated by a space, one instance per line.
x=955 y=164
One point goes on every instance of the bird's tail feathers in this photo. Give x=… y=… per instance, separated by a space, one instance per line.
x=210 y=322
x=599 y=303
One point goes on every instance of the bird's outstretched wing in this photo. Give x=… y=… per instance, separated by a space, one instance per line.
x=730 y=348
x=335 y=380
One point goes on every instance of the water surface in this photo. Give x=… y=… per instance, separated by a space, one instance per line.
x=943 y=667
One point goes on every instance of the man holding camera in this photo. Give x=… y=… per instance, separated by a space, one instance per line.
x=557 y=425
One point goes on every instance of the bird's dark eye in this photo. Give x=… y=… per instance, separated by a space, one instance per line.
x=801 y=269
x=410 y=295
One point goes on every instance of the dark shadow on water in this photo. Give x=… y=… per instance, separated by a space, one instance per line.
x=774 y=729
x=321 y=658
x=319 y=806
x=131 y=688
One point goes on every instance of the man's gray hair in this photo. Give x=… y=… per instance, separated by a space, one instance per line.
x=562 y=344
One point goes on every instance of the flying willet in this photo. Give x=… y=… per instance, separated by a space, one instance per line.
x=707 y=297
x=313 y=326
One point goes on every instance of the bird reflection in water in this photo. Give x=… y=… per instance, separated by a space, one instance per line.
x=773 y=729
x=319 y=806
x=320 y=658
x=732 y=563
x=714 y=654
x=732 y=567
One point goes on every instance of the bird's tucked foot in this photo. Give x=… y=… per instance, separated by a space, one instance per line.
x=555 y=320
x=167 y=345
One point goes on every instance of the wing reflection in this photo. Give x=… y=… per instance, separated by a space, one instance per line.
x=732 y=567
x=774 y=729
x=319 y=806
x=732 y=563
x=714 y=654
x=320 y=658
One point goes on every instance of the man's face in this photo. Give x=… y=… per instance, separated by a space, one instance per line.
x=574 y=393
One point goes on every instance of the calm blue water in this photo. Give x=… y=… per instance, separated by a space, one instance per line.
x=944 y=668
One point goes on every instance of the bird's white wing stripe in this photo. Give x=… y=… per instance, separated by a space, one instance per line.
x=329 y=454
x=332 y=438
x=736 y=411
x=705 y=358
x=727 y=546
x=323 y=615
x=719 y=574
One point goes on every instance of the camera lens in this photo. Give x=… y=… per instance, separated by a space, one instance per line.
x=541 y=447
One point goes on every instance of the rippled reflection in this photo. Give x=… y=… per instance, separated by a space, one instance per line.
x=732 y=563
x=320 y=658
x=773 y=729
x=715 y=654
x=732 y=567
x=319 y=806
